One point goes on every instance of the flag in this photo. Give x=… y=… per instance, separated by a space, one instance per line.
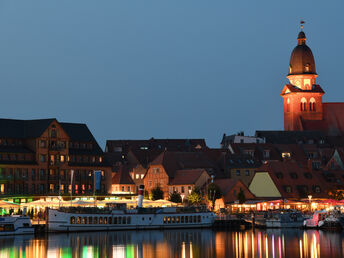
x=97 y=178
x=71 y=178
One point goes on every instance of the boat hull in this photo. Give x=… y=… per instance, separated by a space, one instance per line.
x=73 y=222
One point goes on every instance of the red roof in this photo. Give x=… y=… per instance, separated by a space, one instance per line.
x=173 y=161
x=333 y=122
x=187 y=176
x=122 y=177
x=300 y=180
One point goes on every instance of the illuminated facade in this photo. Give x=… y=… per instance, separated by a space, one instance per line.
x=39 y=157
x=302 y=97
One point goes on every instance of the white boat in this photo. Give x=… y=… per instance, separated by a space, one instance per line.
x=94 y=219
x=157 y=218
x=15 y=225
x=285 y=219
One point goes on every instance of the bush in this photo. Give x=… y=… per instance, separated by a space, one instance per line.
x=175 y=197
x=157 y=193
x=195 y=197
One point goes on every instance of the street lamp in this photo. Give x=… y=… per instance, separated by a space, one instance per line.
x=310 y=202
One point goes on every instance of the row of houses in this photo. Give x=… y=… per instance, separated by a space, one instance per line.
x=46 y=157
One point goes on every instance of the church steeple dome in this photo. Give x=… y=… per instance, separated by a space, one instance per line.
x=301 y=60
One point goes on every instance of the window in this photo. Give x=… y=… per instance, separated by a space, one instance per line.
x=42 y=158
x=150 y=183
x=303 y=104
x=293 y=175
x=308 y=175
x=312 y=105
x=137 y=176
x=237 y=172
x=287 y=188
x=122 y=188
x=142 y=175
x=266 y=154
x=42 y=143
x=128 y=188
x=317 y=189
x=183 y=190
x=247 y=172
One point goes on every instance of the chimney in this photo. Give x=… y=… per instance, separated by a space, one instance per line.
x=140 y=197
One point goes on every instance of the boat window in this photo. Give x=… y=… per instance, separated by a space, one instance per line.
x=190 y=219
x=115 y=220
x=186 y=219
x=195 y=219
x=110 y=220
x=100 y=220
x=119 y=220
x=84 y=220
x=95 y=220
x=178 y=219
x=7 y=227
x=105 y=220
x=129 y=220
x=89 y=220
x=143 y=218
x=78 y=220
x=26 y=225
x=124 y=220
x=168 y=220
x=165 y=220
x=173 y=219
x=199 y=218
x=182 y=219
x=72 y=220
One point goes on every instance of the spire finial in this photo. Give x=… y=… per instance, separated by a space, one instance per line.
x=301 y=24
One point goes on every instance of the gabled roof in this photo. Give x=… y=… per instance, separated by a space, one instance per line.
x=78 y=132
x=122 y=177
x=289 y=88
x=173 y=161
x=290 y=174
x=144 y=157
x=187 y=176
x=21 y=129
x=226 y=184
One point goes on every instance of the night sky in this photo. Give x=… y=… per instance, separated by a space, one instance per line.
x=164 y=69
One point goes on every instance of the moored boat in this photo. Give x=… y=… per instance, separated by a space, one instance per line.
x=285 y=219
x=15 y=225
x=94 y=219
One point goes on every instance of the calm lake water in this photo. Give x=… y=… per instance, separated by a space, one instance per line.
x=178 y=243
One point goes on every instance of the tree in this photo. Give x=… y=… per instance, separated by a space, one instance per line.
x=157 y=193
x=336 y=194
x=241 y=196
x=195 y=197
x=175 y=197
x=214 y=193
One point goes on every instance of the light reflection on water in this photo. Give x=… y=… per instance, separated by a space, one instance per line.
x=178 y=243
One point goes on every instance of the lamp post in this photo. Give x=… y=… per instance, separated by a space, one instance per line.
x=310 y=202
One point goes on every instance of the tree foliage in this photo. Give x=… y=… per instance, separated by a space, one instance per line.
x=336 y=194
x=175 y=197
x=214 y=193
x=195 y=197
x=157 y=193
x=241 y=196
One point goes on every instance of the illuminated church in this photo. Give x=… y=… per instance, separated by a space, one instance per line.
x=302 y=96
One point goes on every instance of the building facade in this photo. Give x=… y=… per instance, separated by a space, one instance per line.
x=42 y=157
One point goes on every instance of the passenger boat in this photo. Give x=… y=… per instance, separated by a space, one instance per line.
x=285 y=219
x=94 y=219
x=15 y=225
x=316 y=220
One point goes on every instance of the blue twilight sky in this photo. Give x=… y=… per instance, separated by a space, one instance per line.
x=165 y=69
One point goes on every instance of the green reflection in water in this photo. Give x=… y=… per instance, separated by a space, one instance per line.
x=66 y=252
x=130 y=252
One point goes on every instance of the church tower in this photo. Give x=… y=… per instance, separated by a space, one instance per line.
x=302 y=97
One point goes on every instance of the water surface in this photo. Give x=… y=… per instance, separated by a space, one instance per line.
x=178 y=243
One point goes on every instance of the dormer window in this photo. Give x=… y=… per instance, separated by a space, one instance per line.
x=290 y=70
x=307 y=66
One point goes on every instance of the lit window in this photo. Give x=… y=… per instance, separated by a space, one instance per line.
x=62 y=158
x=137 y=176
